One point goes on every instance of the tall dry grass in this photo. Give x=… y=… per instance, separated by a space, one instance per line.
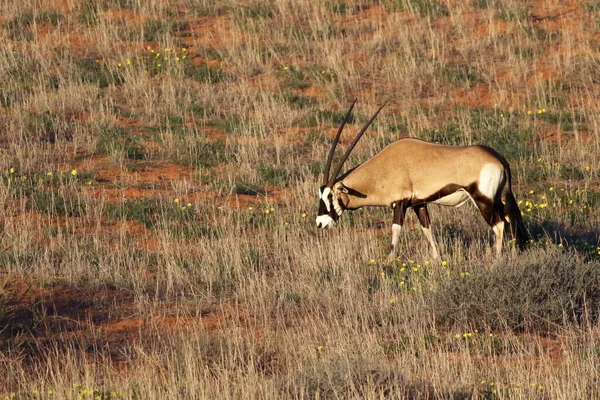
x=102 y=149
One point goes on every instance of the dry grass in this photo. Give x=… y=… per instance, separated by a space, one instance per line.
x=159 y=168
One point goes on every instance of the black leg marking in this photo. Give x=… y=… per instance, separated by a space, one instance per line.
x=399 y=212
x=493 y=214
x=489 y=211
x=423 y=215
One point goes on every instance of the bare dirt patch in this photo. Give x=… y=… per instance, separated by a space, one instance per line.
x=107 y=319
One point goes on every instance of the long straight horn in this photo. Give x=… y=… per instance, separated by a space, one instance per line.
x=356 y=139
x=334 y=144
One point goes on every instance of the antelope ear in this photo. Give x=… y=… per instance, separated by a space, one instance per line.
x=350 y=192
x=342 y=189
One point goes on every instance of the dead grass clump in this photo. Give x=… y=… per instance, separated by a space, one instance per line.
x=171 y=151
x=540 y=291
x=344 y=377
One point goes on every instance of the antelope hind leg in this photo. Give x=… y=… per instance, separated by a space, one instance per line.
x=423 y=215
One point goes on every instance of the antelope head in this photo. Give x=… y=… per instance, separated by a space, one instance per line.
x=333 y=195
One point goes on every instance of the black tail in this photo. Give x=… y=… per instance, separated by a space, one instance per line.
x=517 y=227
x=511 y=208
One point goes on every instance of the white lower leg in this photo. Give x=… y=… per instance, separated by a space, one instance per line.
x=395 y=235
x=499 y=234
x=429 y=236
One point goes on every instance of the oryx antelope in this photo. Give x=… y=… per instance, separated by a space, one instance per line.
x=411 y=173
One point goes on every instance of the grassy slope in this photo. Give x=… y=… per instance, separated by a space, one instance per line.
x=159 y=168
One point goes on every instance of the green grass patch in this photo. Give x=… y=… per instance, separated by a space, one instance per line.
x=56 y=203
x=22 y=77
x=459 y=73
x=154 y=30
x=323 y=117
x=231 y=123
x=259 y=10
x=205 y=153
x=204 y=73
x=509 y=134
x=295 y=79
x=564 y=120
x=93 y=71
x=118 y=142
x=424 y=8
x=275 y=176
x=150 y=212
x=298 y=100
x=51 y=128
x=511 y=14
x=249 y=189
x=19 y=27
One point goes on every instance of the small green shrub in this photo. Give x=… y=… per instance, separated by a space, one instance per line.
x=540 y=290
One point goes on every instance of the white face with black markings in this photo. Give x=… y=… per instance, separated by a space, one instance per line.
x=330 y=204
x=329 y=208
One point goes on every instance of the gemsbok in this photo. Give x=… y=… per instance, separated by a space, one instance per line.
x=411 y=173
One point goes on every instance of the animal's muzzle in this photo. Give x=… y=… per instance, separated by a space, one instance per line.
x=324 y=221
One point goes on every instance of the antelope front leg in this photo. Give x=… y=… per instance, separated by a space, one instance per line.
x=399 y=212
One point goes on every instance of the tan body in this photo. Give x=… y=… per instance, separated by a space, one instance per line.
x=411 y=173
x=415 y=169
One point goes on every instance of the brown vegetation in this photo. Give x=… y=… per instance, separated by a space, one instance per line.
x=159 y=164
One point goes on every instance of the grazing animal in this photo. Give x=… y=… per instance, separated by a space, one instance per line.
x=411 y=173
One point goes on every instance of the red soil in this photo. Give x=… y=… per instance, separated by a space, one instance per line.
x=96 y=318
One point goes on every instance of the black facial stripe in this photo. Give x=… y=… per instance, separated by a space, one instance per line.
x=322 y=208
